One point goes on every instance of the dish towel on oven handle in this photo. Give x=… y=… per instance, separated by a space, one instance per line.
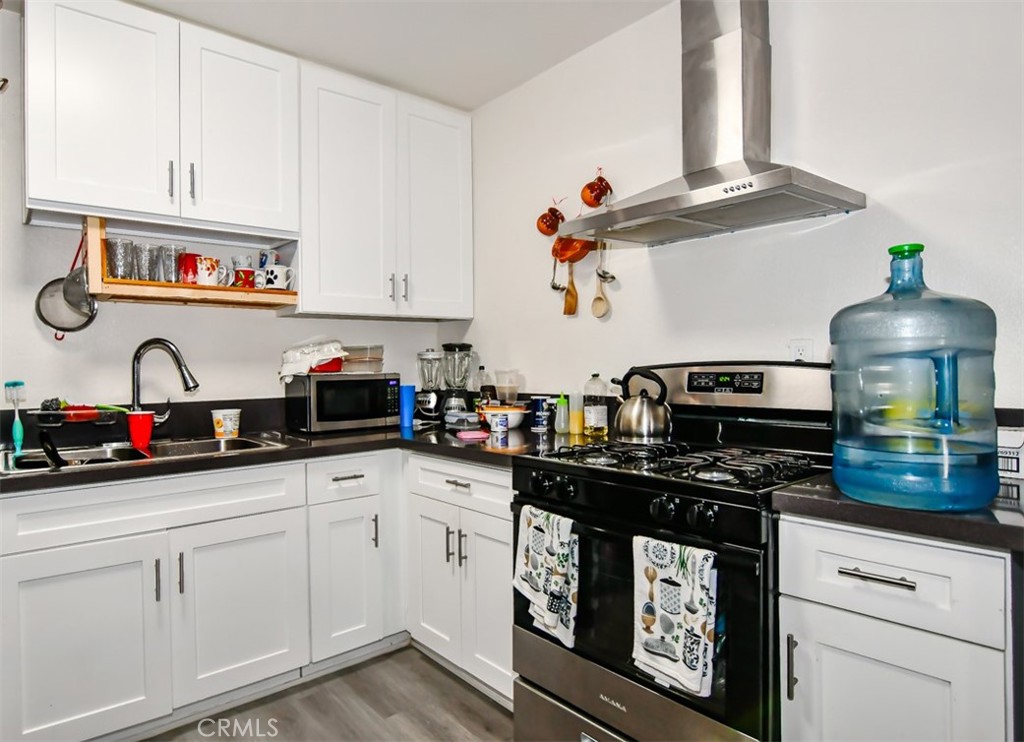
x=674 y=590
x=547 y=571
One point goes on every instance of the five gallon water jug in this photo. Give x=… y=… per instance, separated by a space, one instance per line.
x=913 y=395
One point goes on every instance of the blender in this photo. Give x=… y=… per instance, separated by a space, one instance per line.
x=429 y=398
x=456 y=363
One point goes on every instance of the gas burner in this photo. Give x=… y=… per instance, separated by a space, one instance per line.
x=712 y=474
x=599 y=458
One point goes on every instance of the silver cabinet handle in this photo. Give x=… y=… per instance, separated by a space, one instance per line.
x=170 y=178
x=405 y=287
x=181 y=573
x=376 y=532
x=448 y=551
x=856 y=573
x=391 y=292
x=348 y=477
x=3 y=84
x=791 y=679
x=457 y=483
x=463 y=556
x=156 y=569
x=192 y=181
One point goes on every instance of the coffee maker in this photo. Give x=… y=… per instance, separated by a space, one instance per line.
x=429 y=397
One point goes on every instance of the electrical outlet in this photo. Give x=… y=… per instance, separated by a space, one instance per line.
x=801 y=349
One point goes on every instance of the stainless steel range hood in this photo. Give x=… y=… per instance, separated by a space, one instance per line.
x=729 y=182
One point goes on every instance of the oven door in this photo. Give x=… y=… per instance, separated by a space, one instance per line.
x=741 y=671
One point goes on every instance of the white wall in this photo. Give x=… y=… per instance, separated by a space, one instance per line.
x=919 y=105
x=234 y=353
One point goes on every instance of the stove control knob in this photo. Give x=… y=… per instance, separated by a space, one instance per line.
x=663 y=509
x=701 y=516
x=564 y=488
x=541 y=482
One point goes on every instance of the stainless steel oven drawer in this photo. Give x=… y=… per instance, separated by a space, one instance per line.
x=627 y=706
x=541 y=717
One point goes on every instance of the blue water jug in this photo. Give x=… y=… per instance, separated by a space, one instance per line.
x=913 y=395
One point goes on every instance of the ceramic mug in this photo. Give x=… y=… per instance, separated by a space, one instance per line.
x=259 y=279
x=269 y=258
x=279 y=277
x=224 y=274
x=188 y=267
x=241 y=261
x=245 y=278
x=206 y=271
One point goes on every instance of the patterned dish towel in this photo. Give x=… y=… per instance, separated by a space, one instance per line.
x=674 y=604
x=547 y=571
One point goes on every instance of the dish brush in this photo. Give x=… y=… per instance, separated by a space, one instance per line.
x=14 y=392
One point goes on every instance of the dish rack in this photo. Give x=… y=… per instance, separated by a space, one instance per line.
x=56 y=418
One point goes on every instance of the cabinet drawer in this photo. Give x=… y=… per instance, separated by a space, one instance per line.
x=478 y=488
x=937 y=587
x=343 y=478
x=68 y=516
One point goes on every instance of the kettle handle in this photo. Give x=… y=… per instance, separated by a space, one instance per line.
x=644 y=373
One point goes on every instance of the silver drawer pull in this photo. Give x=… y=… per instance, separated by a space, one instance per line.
x=156 y=569
x=457 y=483
x=348 y=477
x=856 y=573
x=791 y=678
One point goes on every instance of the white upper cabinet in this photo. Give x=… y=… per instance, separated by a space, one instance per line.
x=435 y=210
x=131 y=114
x=347 y=265
x=101 y=105
x=239 y=132
x=387 y=224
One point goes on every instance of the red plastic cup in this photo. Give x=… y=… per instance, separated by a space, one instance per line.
x=140 y=429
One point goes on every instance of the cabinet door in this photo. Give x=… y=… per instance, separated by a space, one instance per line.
x=239 y=132
x=435 y=211
x=434 y=575
x=101 y=106
x=86 y=643
x=862 y=678
x=239 y=602
x=486 y=545
x=347 y=262
x=345 y=576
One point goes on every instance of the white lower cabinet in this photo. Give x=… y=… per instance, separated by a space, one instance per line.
x=346 y=577
x=460 y=599
x=860 y=678
x=86 y=642
x=883 y=636
x=240 y=602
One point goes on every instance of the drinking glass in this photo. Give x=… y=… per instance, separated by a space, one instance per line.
x=169 y=262
x=120 y=258
x=146 y=261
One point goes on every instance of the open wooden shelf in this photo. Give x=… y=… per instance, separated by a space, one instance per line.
x=158 y=292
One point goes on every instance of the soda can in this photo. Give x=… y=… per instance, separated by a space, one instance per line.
x=499 y=438
x=500 y=423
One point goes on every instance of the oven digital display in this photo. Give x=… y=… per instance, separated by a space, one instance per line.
x=725 y=382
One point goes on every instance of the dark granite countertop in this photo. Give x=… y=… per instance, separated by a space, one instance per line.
x=434 y=441
x=1000 y=526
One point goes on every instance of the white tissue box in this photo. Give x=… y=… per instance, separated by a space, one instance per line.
x=1011 y=452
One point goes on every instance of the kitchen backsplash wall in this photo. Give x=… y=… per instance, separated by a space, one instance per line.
x=894 y=99
x=234 y=353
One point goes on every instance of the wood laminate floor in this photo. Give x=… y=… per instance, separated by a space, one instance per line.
x=401 y=696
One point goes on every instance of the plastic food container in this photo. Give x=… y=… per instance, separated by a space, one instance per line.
x=364 y=358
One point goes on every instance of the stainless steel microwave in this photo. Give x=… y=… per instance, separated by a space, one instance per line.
x=320 y=403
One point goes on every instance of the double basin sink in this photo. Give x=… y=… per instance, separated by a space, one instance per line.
x=118 y=453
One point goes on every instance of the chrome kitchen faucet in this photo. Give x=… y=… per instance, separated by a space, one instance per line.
x=188 y=381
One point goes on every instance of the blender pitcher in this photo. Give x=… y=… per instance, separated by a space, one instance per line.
x=429 y=365
x=457 y=363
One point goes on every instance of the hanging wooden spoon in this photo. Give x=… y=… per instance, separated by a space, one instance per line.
x=571 y=296
x=600 y=306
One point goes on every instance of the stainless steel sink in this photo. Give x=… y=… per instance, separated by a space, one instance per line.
x=122 y=453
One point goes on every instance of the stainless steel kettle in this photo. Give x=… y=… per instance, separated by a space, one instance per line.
x=641 y=419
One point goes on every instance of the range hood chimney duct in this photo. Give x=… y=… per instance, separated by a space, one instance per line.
x=729 y=182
